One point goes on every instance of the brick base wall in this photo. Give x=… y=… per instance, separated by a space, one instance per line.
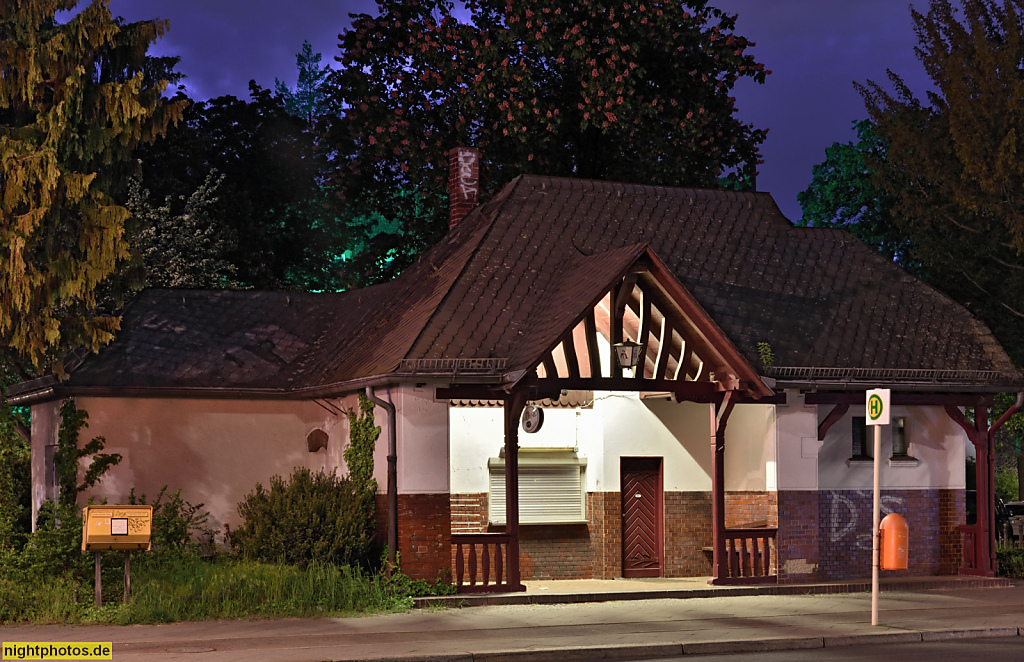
x=594 y=550
x=424 y=533
x=797 y=539
x=687 y=533
x=743 y=509
x=821 y=535
x=952 y=515
x=826 y=535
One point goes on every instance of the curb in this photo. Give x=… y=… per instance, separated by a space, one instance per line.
x=638 y=652
x=491 y=599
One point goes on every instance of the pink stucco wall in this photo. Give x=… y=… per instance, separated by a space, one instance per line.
x=214 y=450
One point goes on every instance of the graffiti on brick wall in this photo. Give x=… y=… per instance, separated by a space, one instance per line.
x=848 y=507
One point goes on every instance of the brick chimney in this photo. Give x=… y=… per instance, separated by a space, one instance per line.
x=463 y=183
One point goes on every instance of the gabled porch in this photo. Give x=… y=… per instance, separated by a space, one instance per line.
x=627 y=295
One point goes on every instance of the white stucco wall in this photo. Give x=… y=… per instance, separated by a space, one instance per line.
x=934 y=440
x=422 y=440
x=214 y=450
x=478 y=434
x=796 y=462
x=623 y=425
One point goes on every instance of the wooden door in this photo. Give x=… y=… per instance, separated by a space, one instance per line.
x=641 y=517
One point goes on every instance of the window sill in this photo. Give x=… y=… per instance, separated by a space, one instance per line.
x=904 y=461
x=859 y=461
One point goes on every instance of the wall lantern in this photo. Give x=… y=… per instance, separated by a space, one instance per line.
x=628 y=353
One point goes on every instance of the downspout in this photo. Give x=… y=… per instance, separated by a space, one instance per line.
x=392 y=477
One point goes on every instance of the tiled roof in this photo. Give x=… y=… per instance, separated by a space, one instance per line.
x=818 y=297
x=506 y=282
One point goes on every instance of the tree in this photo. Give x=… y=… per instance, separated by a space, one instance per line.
x=843 y=194
x=186 y=249
x=603 y=89
x=271 y=201
x=953 y=167
x=309 y=98
x=76 y=98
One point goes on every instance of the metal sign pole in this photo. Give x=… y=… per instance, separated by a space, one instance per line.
x=98 y=585
x=875 y=517
x=877 y=410
x=127 y=576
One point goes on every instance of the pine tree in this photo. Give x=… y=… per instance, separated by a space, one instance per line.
x=76 y=98
x=954 y=166
x=309 y=97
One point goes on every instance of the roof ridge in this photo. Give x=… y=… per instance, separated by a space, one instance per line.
x=577 y=182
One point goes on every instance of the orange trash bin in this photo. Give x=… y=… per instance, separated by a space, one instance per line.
x=895 y=542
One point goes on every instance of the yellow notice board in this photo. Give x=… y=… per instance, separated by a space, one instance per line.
x=116 y=527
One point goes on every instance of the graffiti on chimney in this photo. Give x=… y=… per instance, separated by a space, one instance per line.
x=846 y=509
x=468 y=184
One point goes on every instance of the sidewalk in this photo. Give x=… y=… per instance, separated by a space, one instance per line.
x=582 y=631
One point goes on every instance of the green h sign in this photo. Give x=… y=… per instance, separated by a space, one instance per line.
x=878 y=406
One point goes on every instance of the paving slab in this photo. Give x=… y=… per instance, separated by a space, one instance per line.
x=611 y=630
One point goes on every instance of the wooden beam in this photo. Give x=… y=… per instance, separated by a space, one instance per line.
x=833 y=417
x=645 y=331
x=549 y=366
x=593 y=350
x=720 y=413
x=572 y=362
x=514 y=405
x=961 y=420
x=665 y=351
x=684 y=361
x=614 y=330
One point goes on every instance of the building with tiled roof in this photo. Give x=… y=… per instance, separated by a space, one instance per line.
x=774 y=329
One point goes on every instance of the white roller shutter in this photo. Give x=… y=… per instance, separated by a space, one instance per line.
x=549 y=493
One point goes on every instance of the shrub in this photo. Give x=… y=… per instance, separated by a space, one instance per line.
x=178 y=526
x=1011 y=562
x=311 y=517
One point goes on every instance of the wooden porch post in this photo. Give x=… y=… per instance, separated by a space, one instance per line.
x=982 y=561
x=985 y=550
x=719 y=417
x=514 y=404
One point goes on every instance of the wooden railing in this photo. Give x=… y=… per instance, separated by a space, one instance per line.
x=483 y=572
x=751 y=556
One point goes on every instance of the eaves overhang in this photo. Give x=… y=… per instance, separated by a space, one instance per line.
x=897 y=379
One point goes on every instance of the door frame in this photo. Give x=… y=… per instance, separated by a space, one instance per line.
x=659 y=515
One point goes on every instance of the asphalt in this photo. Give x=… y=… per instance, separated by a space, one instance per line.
x=616 y=622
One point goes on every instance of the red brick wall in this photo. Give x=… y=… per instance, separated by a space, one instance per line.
x=605 y=512
x=743 y=509
x=822 y=535
x=571 y=551
x=594 y=550
x=687 y=533
x=797 y=539
x=424 y=533
x=845 y=531
x=952 y=514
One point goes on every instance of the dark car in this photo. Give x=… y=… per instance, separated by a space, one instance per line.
x=1012 y=512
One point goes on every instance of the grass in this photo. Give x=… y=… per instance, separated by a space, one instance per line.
x=190 y=589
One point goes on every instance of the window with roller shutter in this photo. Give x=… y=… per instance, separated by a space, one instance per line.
x=551 y=487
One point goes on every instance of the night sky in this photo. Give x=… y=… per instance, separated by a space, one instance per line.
x=815 y=49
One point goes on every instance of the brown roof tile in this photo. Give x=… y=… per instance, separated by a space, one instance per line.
x=517 y=270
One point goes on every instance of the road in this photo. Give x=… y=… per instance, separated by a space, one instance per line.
x=1004 y=649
